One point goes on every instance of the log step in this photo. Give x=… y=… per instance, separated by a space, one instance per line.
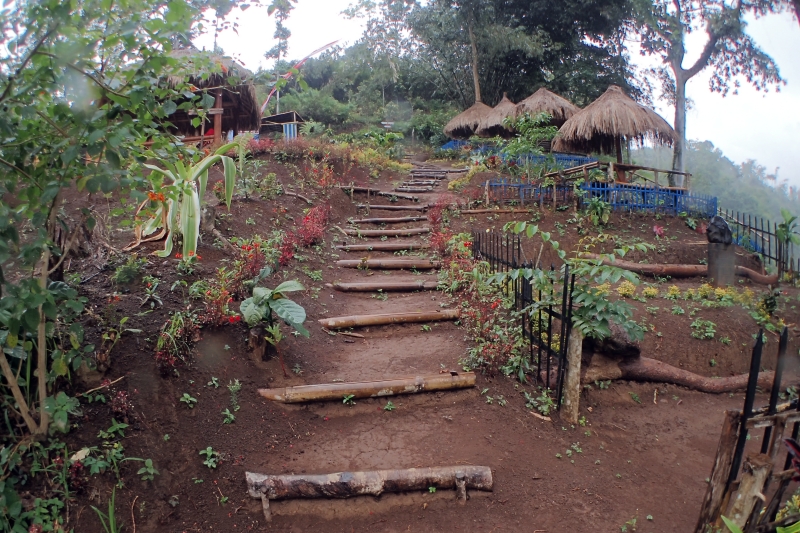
x=340 y=322
x=369 y=389
x=386 y=232
x=390 y=194
x=413 y=189
x=394 y=207
x=382 y=247
x=389 y=264
x=389 y=220
x=387 y=286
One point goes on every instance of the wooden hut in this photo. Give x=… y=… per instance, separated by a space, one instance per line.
x=544 y=101
x=492 y=123
x=287 y=123
x=235 y=106
x=463 y=125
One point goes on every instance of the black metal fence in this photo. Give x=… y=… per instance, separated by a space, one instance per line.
x=548 y=322
x=761 y=236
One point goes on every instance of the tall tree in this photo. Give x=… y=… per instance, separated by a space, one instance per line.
x=729 y=52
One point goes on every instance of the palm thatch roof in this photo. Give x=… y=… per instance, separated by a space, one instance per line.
x=602 y=125
x=492 y=122
x=544 y=101
x=211 y=72
x=463 y=125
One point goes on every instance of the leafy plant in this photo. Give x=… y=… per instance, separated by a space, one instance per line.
x=109 y=520
x=188 y=400
x=598 y=210
x=229 y=418
x=234 y=387
x=148 y=471
x=349 y=400
x=129 y=270
x=543 y=403
x=389 y=406
x=178 y=194
x=703 y=329
x=211 y=457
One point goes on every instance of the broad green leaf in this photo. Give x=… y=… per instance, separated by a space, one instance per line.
x=288 y=286
x=251 y=312
x=203 y=181
x=190 y=222
x=291 y=312
x=224 y=149
x=230 y=178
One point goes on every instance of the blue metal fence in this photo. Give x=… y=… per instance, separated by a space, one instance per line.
x=515 y=191
x=625 y=197
x=558 y=160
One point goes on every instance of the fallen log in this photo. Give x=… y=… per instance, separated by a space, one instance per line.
x=413 y=189
x=386 y=286
x=681 y=271
x=400 y=195
x=389 y=220
x=369 y=389
x=382 y=247
x=375 y=483
x=387 y=232
x=394 y=207
x=389 y=264
x=340 y=322
x=380 y=193
x=652 y=370
x=498 y=211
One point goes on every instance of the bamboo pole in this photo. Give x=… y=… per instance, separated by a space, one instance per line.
x=389 y=220
x=572 y=385
x=387 y=232
x=340 y=322
x=382 y=247
x=394 y=207
x=387 y=286
x=369 y=389
x=389 y=264
x=375 y=482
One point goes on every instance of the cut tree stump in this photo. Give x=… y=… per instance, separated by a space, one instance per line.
x=369 y=389
x=340 y=322
x=387 y=286
x=393 y=207
x=681 y=271
x=382 y=247
x=375 y=483
x=389 y=220
x=389 y=264
x=387 y=232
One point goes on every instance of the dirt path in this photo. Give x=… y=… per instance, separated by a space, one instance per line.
x=625 y=464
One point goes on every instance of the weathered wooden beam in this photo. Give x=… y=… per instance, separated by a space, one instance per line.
x=387 y=232
x=715 y=492
x=382 y=247
x=386 y=286
x=375 y=483
x=390 y=194
x=369 y=389
x=394 y=207
x=756 y=471
x=491 y=211
x=389 y=264
x=389 y=220
x=413 y=189
x=340 y=322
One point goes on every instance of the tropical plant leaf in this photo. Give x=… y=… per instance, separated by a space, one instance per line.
x=251 y=312
x=230 y=178
x=261 y=295
x=291 y=313
x=190 y=221
x=202 y=181
x=288 y=286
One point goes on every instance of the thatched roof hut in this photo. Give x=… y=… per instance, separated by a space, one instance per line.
x=492 y=122
x=544 y=101
x=602 y=125
x=229 y=82
x=463 y=125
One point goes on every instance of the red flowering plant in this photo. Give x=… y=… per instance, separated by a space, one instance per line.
x=312 y=227
x=176 y=339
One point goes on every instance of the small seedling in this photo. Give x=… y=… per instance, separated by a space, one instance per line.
x=188 y=400
x=213 y=383
x=425 y=327
x=713 y=362
x=211 y=459
x=635 y=397
x=234 y=387
x=725 y=340
x=115 y=431
x=229 y=418
x=297 y=369
x=348 y=400
x=148 y=471
x=389 y=406
x=431 y=489
x=602 y=385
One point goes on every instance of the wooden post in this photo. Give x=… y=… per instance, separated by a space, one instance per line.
x=655 y=176
x=218 y=119
x=715 y=493
x=757 y=469
x=572 y=380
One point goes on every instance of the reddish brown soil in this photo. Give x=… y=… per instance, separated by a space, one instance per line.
x=638 y=460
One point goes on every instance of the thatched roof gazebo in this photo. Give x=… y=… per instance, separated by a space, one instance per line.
x=601 y=126
x=544 y=101
x=492 y=122
x=463 y=125
x=235 y=105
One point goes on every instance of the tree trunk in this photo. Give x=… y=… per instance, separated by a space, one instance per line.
x=474 y=48
x=678 y=163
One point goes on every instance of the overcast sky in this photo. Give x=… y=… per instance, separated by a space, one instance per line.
x=750 y=125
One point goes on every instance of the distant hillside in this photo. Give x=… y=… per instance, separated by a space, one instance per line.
x=747 y=187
